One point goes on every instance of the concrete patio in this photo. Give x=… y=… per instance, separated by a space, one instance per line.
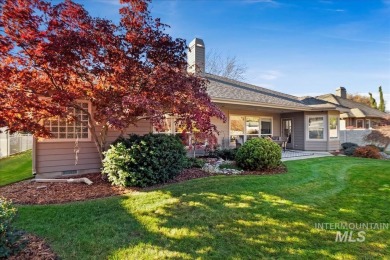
x=290 y=155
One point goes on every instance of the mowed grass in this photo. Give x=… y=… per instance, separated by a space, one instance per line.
x=229 y=217
x=16 y=168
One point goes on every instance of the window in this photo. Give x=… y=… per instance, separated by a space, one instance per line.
x=66 y=130
x=243 y=128
x=333 y=127
x=359 y=123
x=170 y=126
x=252 y=127
x=266 y=127
x=368 y=123
x=316 y=129
x=237 y=129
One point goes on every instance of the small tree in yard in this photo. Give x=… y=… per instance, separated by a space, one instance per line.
x=382 y=106
x=380 y=135
x=52 y=56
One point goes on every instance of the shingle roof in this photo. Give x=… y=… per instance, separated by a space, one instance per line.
x=356 y=109
x=224 y=88
x=321 y=104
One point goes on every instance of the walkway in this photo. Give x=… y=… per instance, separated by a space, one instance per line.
x=290 y=155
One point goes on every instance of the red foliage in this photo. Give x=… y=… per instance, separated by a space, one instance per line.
x=53 y=55
x=367 y=152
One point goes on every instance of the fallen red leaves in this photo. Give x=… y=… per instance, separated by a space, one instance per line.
x=30 y=192
x=35 y=249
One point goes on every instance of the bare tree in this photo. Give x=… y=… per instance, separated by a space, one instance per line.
x=228 y=66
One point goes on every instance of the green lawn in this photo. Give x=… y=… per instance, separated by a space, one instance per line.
x=229 y=217
x=15 y=168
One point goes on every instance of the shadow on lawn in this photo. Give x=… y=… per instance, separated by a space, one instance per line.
x=218 y=218
x=243 y=226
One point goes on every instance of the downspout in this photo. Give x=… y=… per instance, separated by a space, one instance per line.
x=34 y=156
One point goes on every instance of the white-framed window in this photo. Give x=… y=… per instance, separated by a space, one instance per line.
x=67 y=130
x=266 y=126
x=360 y=123
x=171 y=127
x=368 y=124
x=333 y=127
x=316 y=128
x=243 y=128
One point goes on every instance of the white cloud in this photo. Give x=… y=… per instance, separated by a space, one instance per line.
x=270 y=75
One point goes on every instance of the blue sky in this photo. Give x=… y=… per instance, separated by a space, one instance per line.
x=298 y=47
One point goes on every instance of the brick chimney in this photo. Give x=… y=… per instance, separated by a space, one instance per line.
x=341 y=92
x=196 y=56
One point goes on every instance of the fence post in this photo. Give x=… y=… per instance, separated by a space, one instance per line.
x=8 y=144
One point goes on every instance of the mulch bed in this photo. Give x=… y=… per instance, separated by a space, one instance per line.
x=31 y=192
x=35 y=249
x=34 y=193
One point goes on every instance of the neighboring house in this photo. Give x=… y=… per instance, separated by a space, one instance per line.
x=307 y=123
x=358 y=120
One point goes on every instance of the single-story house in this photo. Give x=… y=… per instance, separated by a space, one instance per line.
x=358 y=121
x=359 y=115
x=307 y=123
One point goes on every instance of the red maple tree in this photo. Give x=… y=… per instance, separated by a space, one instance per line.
x=53 y=56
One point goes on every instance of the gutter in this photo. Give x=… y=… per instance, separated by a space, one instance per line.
x=258 y=104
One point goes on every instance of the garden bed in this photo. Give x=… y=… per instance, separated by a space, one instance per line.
x=31 y=192
x=36 y=248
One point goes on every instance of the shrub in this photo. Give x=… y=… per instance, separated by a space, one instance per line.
x=10 y=239
x=349 y=151
x=381 y=149
x=226 y=154
x=144 y=160
x=367 y=152
x=347 y=145
x=258 y=154
x=194 y=163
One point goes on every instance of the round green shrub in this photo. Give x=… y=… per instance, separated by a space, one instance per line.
x=347 y=145
x=227 y=154
x=259 y=154
x=144 y=160
x=10 y=239
x=350 y=150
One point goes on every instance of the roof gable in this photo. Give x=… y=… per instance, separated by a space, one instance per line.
x=224 y=88
x=357 y=109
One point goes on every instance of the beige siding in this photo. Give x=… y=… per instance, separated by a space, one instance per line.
x=327 y=144
x=298 y=129
x=334 y=145
x=53 y=158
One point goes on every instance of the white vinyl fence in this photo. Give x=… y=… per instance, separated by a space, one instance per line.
x=14 y=143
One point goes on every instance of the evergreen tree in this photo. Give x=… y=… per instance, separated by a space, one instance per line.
x=382 y=106
x=372 y=101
